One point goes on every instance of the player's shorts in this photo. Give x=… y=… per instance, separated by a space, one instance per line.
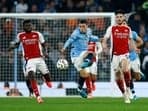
x=36 y=64
x=116 y=60
x=77 y=61
x=135 y=65
x=92 y=69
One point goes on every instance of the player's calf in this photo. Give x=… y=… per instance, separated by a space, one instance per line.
x=47 y=80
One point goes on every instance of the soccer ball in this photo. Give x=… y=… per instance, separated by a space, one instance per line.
x=62 y=64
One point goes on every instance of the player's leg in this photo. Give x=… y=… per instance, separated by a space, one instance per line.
x=89 y=86
x=136 y=75
x=126 y=72
x=28 y=84
x=125 y=68
x=118 y=73
x=88 y=60
x=83 y=76
x=93 y=75
x=31 y=69
x=90 y=81
x=133 y=96
x=120 y=81
x=119 y=77
x=77 y=61
x=45 y=72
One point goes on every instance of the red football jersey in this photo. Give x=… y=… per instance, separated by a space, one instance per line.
x=120 y=36
x=31 y=44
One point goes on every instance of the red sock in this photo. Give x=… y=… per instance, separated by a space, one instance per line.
x=88 y=85
x=93 y=85
x=127 y=78
x=47 y=80
x=34 y=87
x=120 y=84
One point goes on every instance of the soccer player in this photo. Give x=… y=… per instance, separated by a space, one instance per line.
x=79 y=43
x=34 y=49
x=120 y=36
x=94 y=48
x=134 y=60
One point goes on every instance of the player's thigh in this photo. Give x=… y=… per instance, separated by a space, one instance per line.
x=136 y=72
x=77 y=61
x=30 y=66
x=135 y=65
x=91 y=70
x=42 y=67
x=124 y=62
x=115 y=63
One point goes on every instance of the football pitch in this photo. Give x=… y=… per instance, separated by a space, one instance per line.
x=72 y=104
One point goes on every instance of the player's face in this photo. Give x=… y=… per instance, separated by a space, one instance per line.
x=119 y=19
x=83 y=28
x=27 y=27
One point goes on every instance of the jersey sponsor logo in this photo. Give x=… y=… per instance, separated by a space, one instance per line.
x=30 y=41
x=24 y=37
x=34 y=36
x=116 y=30
x=126 y=30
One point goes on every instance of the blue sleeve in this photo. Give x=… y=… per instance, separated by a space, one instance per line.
x=68 y=42
x=94 y=38
x=135 y=35
x=71 y=39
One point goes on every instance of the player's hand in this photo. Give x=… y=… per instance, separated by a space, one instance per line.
x=62 y=51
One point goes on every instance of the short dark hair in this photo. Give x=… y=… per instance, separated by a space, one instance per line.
x=82 y=21
x=120 y=11
x=26 y=21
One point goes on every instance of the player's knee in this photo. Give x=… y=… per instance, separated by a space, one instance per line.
x=118 y=75
x=31 y=75
x=94 y=77
x=83 y=73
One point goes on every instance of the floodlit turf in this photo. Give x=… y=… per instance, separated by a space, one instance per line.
x=72 y=104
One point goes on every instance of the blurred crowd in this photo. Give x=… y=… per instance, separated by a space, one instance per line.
x=137 y=13
x=53 y=6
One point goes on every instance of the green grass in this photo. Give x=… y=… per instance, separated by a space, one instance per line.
x=72 y=104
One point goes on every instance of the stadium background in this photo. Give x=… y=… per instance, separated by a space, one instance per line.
x=137 y=12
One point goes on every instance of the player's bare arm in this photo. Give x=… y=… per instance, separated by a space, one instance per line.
x=139 y=42
x=104 y=43
x=45 y=49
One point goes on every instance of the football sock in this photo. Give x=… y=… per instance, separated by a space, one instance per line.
x=47 y=78
x=28 y=83
x=35 y=88
x=127 y=78
x=132 y=87
x=89 y=84
x=131 y=84
x=120 y=84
